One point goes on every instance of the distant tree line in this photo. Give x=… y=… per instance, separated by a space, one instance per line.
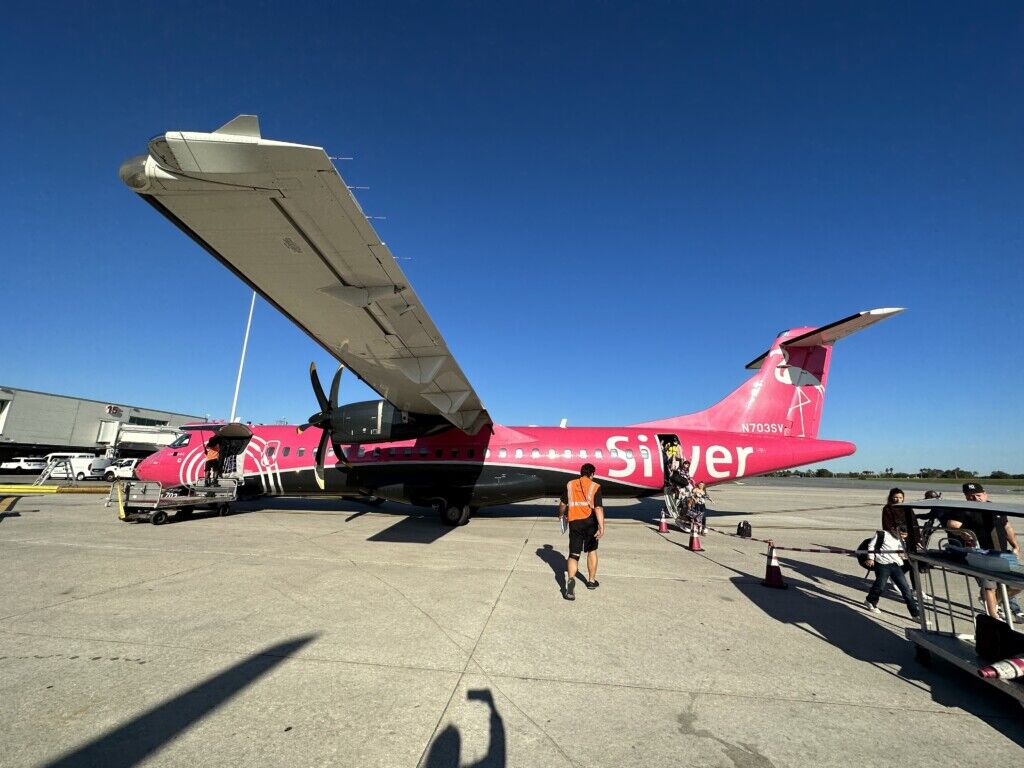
x=925 y=472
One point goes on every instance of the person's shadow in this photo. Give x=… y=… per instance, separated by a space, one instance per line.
x=556 y=561
x=446 y=750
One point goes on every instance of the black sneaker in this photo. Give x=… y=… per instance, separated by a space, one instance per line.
x=593 y=584
x=570 y=587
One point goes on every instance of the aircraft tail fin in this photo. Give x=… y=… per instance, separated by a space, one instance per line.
x=786 y=395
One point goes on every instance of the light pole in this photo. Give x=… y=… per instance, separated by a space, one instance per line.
x=241 y=362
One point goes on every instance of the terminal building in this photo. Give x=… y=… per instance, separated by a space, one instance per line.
x=37 y=423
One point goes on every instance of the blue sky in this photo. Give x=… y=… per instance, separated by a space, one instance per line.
x=607 y=209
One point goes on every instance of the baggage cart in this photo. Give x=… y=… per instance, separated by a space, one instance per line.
x=150 y=501
x=947 y=624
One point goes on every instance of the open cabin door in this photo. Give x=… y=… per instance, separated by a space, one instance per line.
x=233 y=439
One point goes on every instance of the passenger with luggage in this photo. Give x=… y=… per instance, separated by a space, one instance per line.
x=886 y=554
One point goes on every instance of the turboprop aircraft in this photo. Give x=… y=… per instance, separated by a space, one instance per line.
x=281 y=218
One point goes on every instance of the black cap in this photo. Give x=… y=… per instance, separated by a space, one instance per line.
x=970 y=488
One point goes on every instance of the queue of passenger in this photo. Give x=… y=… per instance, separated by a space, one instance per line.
x=967 y=527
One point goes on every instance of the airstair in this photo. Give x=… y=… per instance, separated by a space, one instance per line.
x=52 y=466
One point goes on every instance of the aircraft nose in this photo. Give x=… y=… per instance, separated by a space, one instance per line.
x=144 y=470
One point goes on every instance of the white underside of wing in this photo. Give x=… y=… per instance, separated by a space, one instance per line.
x=281 y=217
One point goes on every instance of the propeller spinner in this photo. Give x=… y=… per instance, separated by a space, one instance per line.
x=323 y=420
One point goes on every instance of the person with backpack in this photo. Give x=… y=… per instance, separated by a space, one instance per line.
x=885 y=552
x=581 y=503
x=893 y=519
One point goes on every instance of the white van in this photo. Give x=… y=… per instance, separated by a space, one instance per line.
x=24 y=464
x=79 y=465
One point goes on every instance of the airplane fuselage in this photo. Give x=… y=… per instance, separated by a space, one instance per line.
x=499 y=465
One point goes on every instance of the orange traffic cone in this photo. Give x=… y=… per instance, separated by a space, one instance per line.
x=694 y=539
x=773 y=571
x=663 y=524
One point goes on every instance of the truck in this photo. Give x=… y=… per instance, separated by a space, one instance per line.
x=122 y=469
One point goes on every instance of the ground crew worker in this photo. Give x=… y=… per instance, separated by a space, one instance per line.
x=212 y=463
x=581 y=501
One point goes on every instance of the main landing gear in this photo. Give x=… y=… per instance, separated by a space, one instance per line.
x=452 y=514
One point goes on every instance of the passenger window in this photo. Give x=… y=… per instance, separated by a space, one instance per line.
x=613 y=452
x=455 y=453
x=535 y=454
x=551 y=454
x=302 y=452
x=271 y=450
x=361 y=452
x=519 y=453
x=286 y=451
x=407 y=452
x=567 y=453
x=583 y=453
x=502 y=453
x=470 y=453
x=376 y=453
x=629 y=453
x=598 y=454
x=644 y=453
x=392 y=451
x=424 y=450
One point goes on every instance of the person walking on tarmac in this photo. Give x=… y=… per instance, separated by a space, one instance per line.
x=212 y=463
x=581 y=501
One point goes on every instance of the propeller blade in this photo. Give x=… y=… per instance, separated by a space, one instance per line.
x=336 y=385
x=339 y=453
x=321 y=454
x=302 y=428
x=318 y=390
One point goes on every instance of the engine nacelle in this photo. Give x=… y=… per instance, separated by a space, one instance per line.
x=378 y=421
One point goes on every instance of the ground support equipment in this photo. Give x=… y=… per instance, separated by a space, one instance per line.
x=938 y=635
x=150 y=501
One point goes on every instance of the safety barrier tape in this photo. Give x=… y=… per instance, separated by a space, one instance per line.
x=819 y=550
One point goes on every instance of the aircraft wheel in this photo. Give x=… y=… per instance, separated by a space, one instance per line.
x=375 y=501
x=159 y=518
x=449 y=514
x=465 y=513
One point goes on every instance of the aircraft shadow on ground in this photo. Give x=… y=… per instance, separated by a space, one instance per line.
x=446 y=749
x=820 y=613
x=142 y=736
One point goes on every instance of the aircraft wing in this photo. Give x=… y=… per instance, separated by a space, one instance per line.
x=281 y=218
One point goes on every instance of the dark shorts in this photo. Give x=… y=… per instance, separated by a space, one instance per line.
x=582 y=535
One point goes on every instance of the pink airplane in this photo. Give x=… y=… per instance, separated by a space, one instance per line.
x=281 y=218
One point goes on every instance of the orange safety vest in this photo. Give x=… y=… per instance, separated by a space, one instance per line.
x=212 y=454
x=581 y=493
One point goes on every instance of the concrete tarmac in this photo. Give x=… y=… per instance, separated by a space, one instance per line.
x=323 y=632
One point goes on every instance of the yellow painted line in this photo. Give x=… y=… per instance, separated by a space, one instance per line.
x=7 y=503
x=26 y=490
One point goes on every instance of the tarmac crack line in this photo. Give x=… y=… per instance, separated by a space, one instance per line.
x=105 y=592
x=472 y=653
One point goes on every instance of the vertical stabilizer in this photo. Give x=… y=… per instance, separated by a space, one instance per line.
x=786 y=395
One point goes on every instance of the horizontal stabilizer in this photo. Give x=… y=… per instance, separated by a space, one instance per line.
x=831 y=333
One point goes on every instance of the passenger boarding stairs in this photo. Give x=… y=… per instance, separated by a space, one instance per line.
x=52 y=466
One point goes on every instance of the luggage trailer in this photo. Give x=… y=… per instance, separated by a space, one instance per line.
x=150 y=501
x=938 y=633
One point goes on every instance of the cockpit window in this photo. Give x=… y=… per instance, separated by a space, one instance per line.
x=181 y=441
